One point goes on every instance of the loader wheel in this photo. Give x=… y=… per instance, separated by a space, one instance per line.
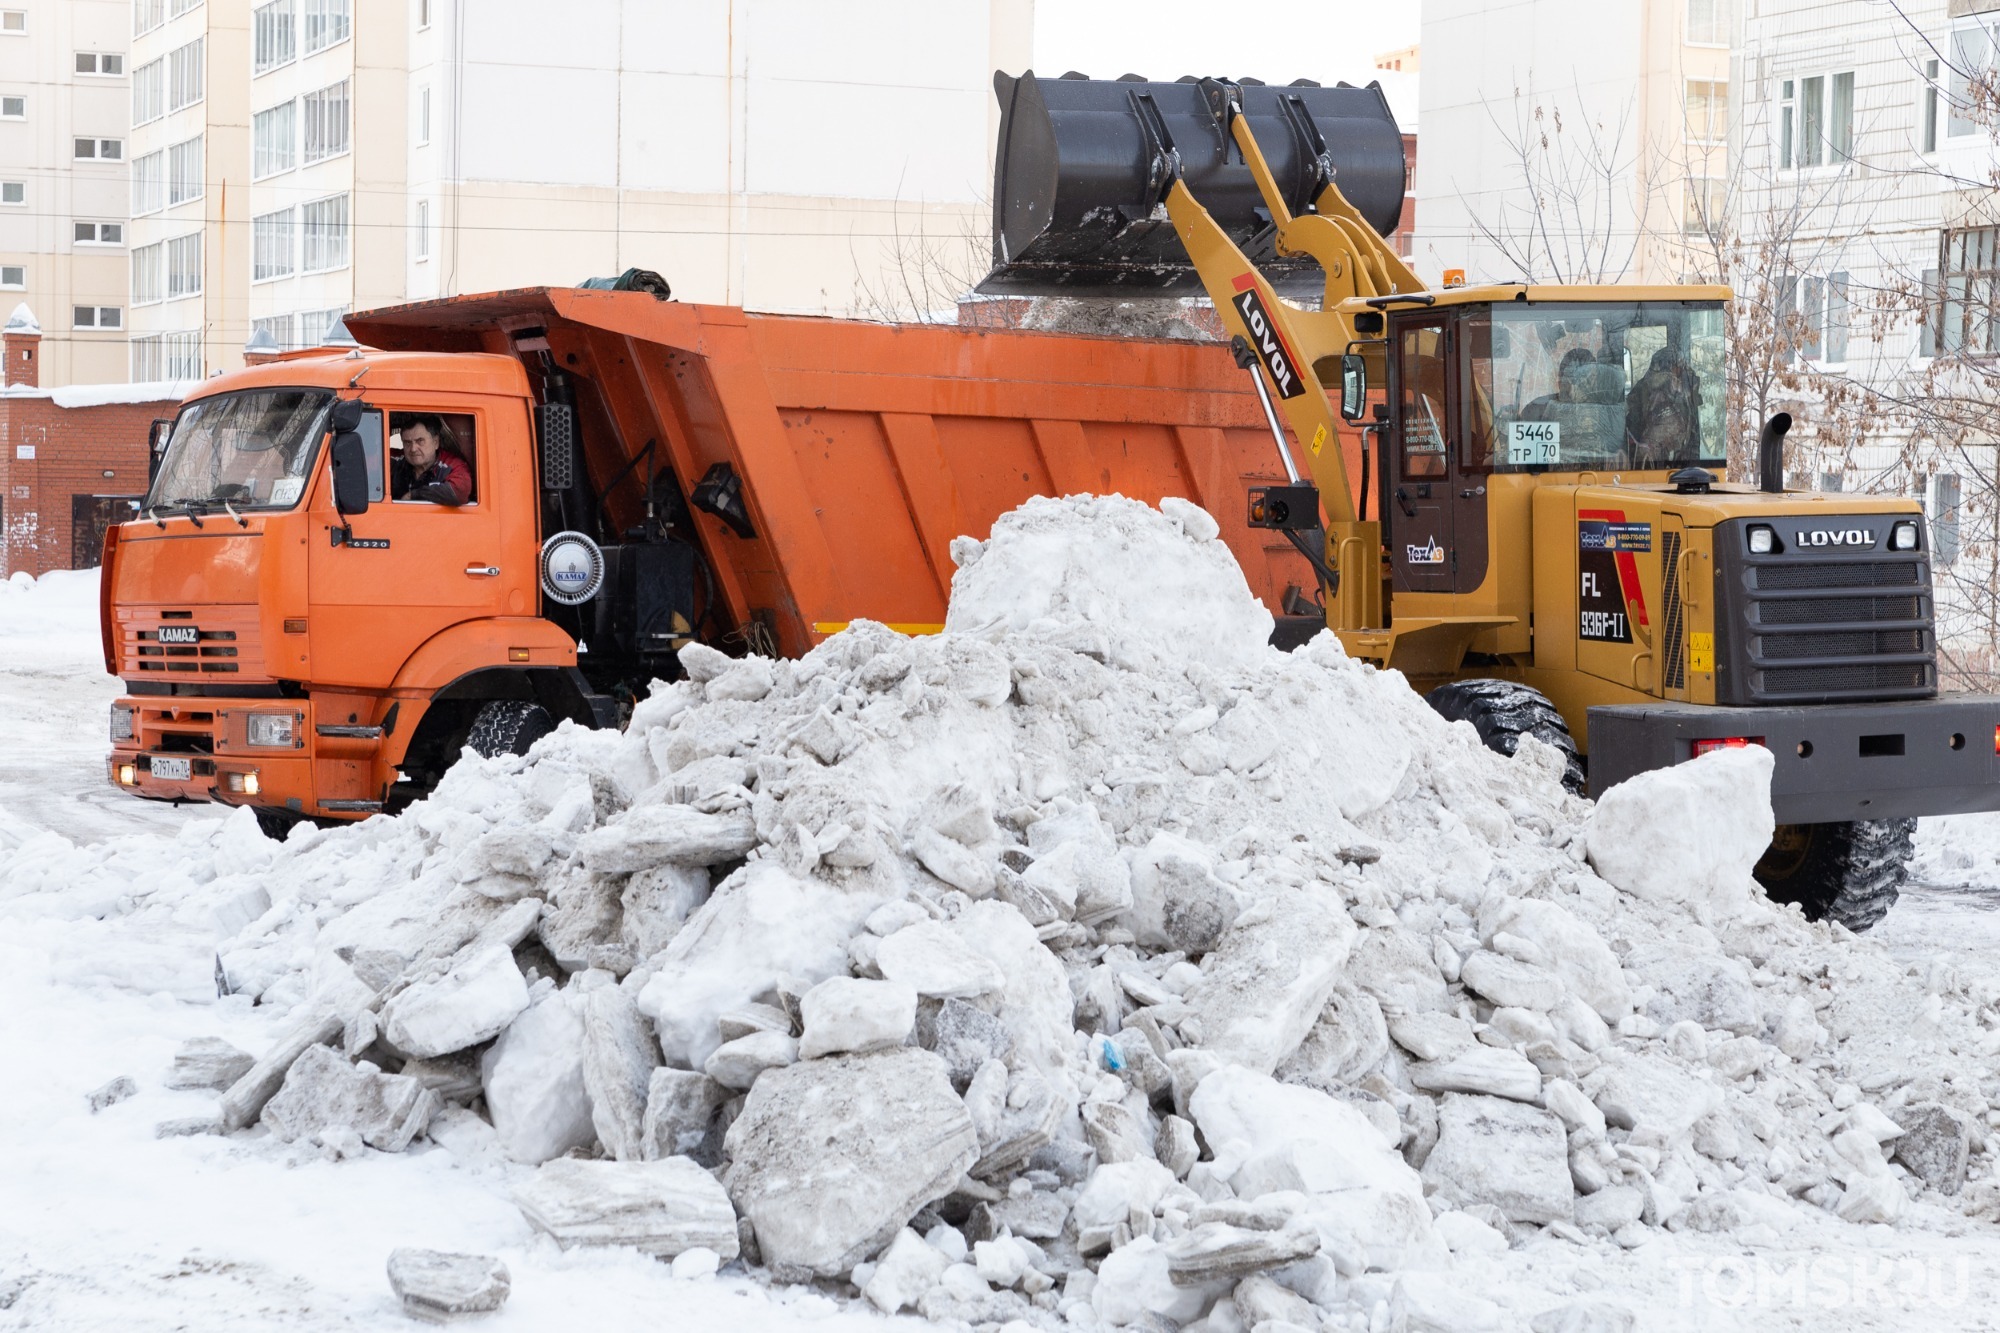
x=508 y=726
x=1503 y=711
x=1850 y=873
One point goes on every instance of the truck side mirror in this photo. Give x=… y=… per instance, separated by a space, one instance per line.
x=350 y=474
x=346 y=415
x=1353 y=387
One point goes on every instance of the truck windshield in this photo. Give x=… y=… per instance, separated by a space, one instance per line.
x=250 y=450
x=1597 y=387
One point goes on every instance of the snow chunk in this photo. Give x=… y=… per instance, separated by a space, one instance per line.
x=472 y=1002
x=1690 y=833
x=1262 y=990
x=848 y=1014
x=1499 y=1152
x=660 y=1208
x=534 y=1083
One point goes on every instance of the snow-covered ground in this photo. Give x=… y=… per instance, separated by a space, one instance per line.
x=104 y=1226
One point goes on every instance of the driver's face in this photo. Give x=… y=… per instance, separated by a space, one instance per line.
x=420 y=447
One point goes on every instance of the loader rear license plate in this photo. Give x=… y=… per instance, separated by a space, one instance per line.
x=174 y=770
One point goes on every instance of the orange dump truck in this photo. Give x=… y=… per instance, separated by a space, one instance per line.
x=635 y=473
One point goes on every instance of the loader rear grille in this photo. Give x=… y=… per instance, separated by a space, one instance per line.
x=1675 y=659
x=1802 y=636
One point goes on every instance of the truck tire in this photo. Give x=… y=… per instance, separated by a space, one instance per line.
x=1503 y=711
x=276 y=824
x=508 y=726
x=1850 y=873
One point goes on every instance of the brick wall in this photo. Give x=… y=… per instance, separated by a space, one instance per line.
x=50 y=456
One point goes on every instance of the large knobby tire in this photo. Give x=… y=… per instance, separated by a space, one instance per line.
x=508 y=726
x=1850 y=873
x=276 y=825
x=1503 y=711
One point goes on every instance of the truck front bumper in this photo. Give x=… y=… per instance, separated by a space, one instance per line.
x=186 y=749
x=1835 y=762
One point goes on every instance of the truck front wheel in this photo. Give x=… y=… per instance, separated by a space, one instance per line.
x=1503 y=711
x=1850 y=873
x=508 y=726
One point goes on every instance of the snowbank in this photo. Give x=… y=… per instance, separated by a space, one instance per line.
x=1242 y=982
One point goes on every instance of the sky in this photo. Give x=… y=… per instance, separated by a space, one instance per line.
x=1326 y=40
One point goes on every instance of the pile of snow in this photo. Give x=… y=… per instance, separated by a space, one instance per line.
x=1088 y=962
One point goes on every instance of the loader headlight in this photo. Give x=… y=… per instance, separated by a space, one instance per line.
x=121 y=723
x=270 y=729
x=1903 y=537
x=1763 y=540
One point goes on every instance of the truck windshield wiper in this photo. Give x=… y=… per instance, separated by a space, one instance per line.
x=187 y=508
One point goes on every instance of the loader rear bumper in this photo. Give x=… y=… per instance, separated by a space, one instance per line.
x=1835 y=762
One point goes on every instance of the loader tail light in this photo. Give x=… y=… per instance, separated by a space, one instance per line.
x=1996 y=740
x=1703 y=747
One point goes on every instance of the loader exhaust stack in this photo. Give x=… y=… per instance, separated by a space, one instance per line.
x=1084 y=164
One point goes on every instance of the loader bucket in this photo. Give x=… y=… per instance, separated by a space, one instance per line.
x=1083 y=166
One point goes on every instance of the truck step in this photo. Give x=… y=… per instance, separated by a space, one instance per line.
x=351 y=733
x=351 y=807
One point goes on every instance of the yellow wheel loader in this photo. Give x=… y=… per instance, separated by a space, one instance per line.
x=1541 y=539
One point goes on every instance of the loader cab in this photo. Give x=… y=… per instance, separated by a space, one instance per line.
x=1493 y=390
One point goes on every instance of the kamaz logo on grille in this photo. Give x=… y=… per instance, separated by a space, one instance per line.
x=1835 y=537
x=179 y=634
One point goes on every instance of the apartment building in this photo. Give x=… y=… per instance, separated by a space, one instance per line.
x=63 y=124
x=1867 y=206
x=1571 y=140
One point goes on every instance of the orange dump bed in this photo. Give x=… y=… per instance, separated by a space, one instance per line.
x=863 y=449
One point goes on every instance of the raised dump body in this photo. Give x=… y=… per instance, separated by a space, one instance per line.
x=302 y=631
x=863 y=449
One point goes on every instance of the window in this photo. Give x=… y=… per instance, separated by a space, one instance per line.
x=184 y=265
x=326 y=122
x=99 y=233
x=148 y=274
x=279 y=327
x=1944 y=518
x=273 y=245
x=274 y=140
x=100 y=63
x=149 y=91
x=1930 y=106
x=13 y=107
x=325 y=234
x=184 y=175
x=14 y=276
x=1815 y=311
x=1824 y=124
x=100 y=150
x=1707 y=111
x=184 y=75
x=1707 y=22
x=147 y=15
x=13 y=192
x=13 y=21
x=1967 y=318
x=149 y=183
x=1832 y=482
x=1703 y=206
x=326 y=23
x=423 y=228
x=314 y=325
x=423 y=116
x=166 y=356
x=176 y=8
x=1972 y=59
x=276 y=39
x=97 y=317
x=423 y=14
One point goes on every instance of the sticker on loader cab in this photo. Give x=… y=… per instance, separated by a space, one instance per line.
x=1430 y=553
x=1534 y=443
x=1264 y=337
x=1609 y=597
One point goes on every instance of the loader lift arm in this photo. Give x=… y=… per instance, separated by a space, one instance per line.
x=1293 y=344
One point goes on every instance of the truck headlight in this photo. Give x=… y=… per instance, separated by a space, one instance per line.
x=270 y=729
x=121 y=723
x=1903 y=537
x=1763 y=540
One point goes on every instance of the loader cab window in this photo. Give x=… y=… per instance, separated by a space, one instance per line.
x=1424 y=417
x=432 y=459
x=1602 y=386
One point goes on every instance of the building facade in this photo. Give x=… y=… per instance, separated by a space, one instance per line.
x=63 y=142
x=1570 y=140
x=1869 y=239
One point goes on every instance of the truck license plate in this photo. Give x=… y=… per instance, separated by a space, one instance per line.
x=174 y=770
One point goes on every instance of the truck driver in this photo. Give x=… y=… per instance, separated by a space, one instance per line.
x=431 y=468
